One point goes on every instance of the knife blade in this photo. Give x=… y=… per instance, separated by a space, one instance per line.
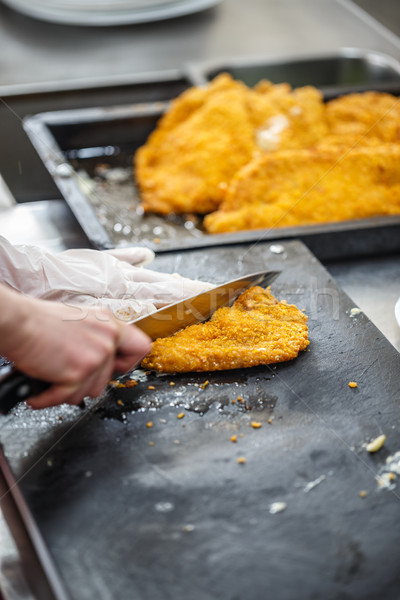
x=16 y=386
x=199 y=308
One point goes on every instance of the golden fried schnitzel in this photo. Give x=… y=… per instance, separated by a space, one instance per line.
x=285 y=119
x=370 y=114
x=210 y=132
x=272 y=156
x=317 y=185
x=256 y=330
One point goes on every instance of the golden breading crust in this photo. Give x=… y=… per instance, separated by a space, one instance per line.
x=209 y=133
x=317 y=185
x=256 y=330
x=370 y=114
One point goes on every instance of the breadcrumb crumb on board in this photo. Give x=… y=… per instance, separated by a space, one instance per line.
x=376 y=444
x=277 y=507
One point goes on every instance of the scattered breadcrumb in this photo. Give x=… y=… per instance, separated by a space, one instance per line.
x=151 y=387
x=233 y=438
x=386 y=480
x=204 y=385
x=312 y=484
x=376 y=444
x=131 y=383
x=120 y=403
x=352 y=384
x=256 y=424
x=241 y=460
x=172 y=383
x=116 y=384
x=389 y=472
x=363 y=494
x=181 y=415
x=149 y=424
x=151 y=443
x=277 y=507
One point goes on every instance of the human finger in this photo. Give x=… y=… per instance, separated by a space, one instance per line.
x=53 y=396
x=137 y=256
x=73 y=393
x=133 y=345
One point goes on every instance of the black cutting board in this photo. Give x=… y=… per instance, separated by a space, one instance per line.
x=166 y=512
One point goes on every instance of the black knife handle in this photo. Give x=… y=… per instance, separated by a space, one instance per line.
x=16 y=387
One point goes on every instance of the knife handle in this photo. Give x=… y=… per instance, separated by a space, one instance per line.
x=16 y=387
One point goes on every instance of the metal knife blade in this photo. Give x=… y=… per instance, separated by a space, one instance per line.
x=168 y=320
x=16 y=386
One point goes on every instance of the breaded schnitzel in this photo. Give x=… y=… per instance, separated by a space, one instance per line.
x=256 y=330
x=210 y=132
x=370 y=114
x=317 y=185
x=272 y=156
x=197 y=146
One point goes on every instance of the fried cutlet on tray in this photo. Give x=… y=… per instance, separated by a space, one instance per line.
x=370 y=114
x=210 y=132
x=317 y=185
x=256 y=330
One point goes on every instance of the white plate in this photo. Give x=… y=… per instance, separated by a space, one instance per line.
x=397 y=311
x=128 y=13
x=96 y=6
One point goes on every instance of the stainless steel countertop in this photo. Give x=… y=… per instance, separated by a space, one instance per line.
x=36 y=57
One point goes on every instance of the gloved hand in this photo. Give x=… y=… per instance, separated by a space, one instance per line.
x=113 y=278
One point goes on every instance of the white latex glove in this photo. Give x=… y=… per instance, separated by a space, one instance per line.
x=112 y=278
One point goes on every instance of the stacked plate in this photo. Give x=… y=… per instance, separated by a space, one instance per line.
x=107 y=12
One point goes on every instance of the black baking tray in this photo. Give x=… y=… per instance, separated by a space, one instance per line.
x=73 y=143
x=131 y=511
x=341 y=72
x=21 y=167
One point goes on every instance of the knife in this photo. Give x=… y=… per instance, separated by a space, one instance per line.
x=15 y=386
